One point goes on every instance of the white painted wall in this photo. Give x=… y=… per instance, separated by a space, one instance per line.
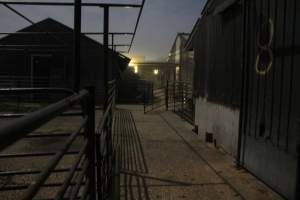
x=220 y=120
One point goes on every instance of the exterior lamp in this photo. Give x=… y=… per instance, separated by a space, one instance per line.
x=136 y=69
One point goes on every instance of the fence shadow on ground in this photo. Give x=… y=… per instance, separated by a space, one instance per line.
x=136 y=181
x=131 y=155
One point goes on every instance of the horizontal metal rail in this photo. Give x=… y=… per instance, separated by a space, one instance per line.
x=62 y=190
x=63 y=33
x=34 y=187
x=19 y=128
x=46 y=185
x=15 y=115
x=35 y=3
x=36 y=154
x=29 y=172
x=35 y=90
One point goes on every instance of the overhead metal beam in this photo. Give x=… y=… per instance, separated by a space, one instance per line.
x=30 y=3
x=29 y=20
x=63 y=33
x=120 y=45
x=137 y=24
x=18 y=13
x=156 y=64
x=103 y=5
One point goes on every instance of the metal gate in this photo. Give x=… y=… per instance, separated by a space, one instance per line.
x=270 y=109
x=155 y=100
x=175 y=96
x=180 y=100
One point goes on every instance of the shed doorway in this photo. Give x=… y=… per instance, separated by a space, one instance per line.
x=40 y=70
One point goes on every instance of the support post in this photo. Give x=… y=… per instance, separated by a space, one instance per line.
x=77 y=45
x=152 y=96
x=182 y=98
x=174 y=96
x=243 y=92
x=167 y=96
x=113 y=41
x=105 y=55
x=145 y=100
x=91 y=147
x=297 y=191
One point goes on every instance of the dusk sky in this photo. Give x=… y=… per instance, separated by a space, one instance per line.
x=160 y=22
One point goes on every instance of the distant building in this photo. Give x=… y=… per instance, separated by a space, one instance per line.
x=157 y=72
x=41 y=55
x=182 y=58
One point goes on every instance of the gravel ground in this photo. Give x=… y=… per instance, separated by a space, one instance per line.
x=31 y=145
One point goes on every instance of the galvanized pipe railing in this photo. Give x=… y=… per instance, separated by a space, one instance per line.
x=95 y=166
x=21 y=127
x=106 y=154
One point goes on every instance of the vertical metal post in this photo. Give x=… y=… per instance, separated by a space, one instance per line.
x=99 y=166
x=174 y=96
x=145 y=100
x=90 y=135
x=297 y=190
x=113 y=41
x=77 y=45
x=152 y=96
x=106 y=88
x=243 y=88
x=167 y=96
x=182 y=98
x=105 y=54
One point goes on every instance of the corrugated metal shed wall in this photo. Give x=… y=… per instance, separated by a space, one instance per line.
x=217 y=47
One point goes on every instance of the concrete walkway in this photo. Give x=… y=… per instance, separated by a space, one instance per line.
x=161 y=158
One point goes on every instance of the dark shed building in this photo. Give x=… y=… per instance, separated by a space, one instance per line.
x=41 y=55
x=268 y=51
x=216 y=41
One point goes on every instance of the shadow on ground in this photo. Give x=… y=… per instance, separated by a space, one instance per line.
x=135 y=180
x=131 y=154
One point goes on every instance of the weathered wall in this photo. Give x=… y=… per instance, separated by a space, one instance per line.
x=220 y=120
x=217 y=46
x=270 y=128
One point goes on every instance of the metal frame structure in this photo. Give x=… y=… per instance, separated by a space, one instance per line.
x=22 y=127
x=77 y=28
x=96 y=159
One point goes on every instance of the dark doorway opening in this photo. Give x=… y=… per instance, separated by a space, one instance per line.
x=40 y=70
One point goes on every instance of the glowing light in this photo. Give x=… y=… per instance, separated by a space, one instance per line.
x=155 y=72
x=136 y=69
x=132 y=63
